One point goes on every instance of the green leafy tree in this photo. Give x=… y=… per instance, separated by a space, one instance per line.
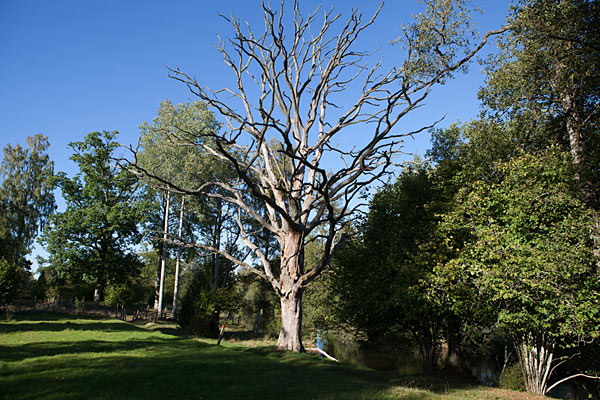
x=548 y=73
x=92 y=239
x=401 y=219
x=528 y=259
x=26 y=197
x=171 y=158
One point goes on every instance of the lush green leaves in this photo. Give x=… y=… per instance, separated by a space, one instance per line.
x=9 y=280
x=383 y=274
x=92 y=239
x=529 y=255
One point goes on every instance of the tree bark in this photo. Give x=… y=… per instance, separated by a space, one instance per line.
x=257 y=319
x=99 y=289
x=577 y=146
x=163 y=264
x=217 y=242
x=428 y=349
x=178 y=262
x=454 y=339
x=290 y=335
x=292 y=266
x=536 y=354
x=101 y=279
x=577 y=143
x=157 y=278
x=159 y=264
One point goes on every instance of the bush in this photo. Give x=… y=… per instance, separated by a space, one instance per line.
x=257 y=294
x=125 y=294
x=201 y=305
x=512 y=378
x=9 y=280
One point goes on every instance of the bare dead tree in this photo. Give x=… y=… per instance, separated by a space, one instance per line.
x=302 y=84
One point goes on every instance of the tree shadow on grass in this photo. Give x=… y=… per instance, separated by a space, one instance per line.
x=243 y=335
x=56 y=316
x=169 y=330
x=185 y=369
x=61 y=326
x=48 y=349
x=158 y=367
x=61 y=322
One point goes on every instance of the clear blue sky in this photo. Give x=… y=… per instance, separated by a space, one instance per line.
x=69 y=67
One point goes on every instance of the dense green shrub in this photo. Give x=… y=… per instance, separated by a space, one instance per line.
x=9 y=280
x=260 y=306
x=512 y=378
x=201 y=305
x=126 y=294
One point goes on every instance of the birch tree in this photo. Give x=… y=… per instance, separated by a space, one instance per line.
x=161 y=157
x=301 y=81
x=547 y=69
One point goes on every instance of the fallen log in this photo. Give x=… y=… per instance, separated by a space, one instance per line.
x=322 y=352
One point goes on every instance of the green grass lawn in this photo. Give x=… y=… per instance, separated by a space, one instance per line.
x=44 y=356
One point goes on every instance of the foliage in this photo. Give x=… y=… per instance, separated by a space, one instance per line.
x=320 y=306
x=9 y=280
x=512 y=378
x=259 y=306
x=202 y=302
x=547 y=76
x=130 y=292
x=26 y=197
x=530 y=254
x=166 y=153
x=171 y=157
x=384 y=274
x=91 y=240
x=552 y=47
x=527 y=259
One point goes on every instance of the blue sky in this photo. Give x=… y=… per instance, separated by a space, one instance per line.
x=69 y=67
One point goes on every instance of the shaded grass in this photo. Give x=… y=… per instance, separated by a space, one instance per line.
x=83 y=357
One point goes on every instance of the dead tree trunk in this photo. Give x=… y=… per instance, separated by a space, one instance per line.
x=290 y=335
x=292 y=266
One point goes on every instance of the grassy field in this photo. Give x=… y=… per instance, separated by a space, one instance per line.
x=44 y=356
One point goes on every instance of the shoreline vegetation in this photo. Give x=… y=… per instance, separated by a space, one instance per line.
x=76 y=356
